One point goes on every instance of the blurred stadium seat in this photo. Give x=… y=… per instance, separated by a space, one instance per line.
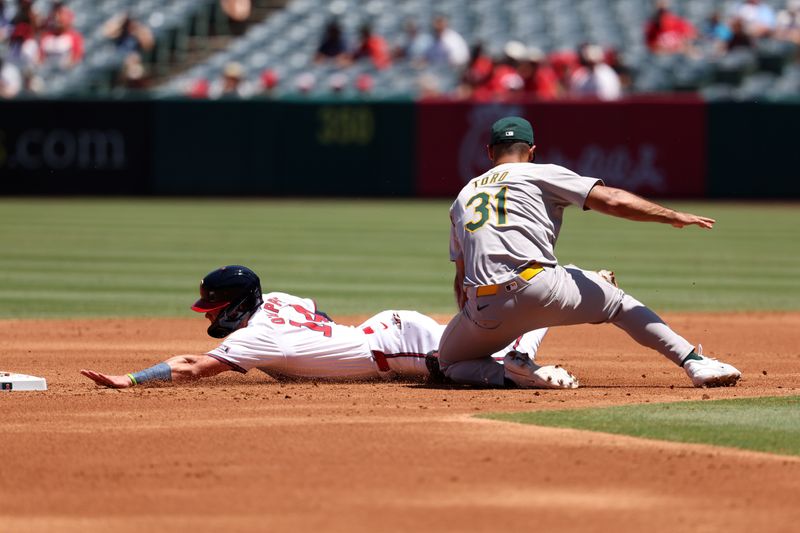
x=170 y=22
x=285 y=42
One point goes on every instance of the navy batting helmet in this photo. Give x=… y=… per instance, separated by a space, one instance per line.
x=234 y=290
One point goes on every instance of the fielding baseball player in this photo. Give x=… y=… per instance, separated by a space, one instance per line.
x=504 y=229
x=287 y=337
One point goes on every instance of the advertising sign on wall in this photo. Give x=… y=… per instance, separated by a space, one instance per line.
x=74 y=148
x=651 y=148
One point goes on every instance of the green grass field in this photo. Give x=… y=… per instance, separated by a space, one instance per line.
x=144 y=257
x=761 y=424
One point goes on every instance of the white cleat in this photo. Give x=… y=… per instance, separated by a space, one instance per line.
x=526 y=374
x=709 y=372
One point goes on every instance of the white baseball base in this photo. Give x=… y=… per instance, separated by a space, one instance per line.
x=21 y=382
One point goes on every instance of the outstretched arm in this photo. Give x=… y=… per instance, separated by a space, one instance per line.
x=620 y=203
x=180 y=369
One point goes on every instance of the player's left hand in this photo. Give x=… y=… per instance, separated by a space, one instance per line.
x=114 y=382
x=688 y=219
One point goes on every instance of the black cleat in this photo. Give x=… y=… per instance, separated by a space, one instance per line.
x=435 y=374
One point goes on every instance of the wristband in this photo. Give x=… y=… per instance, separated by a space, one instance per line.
x=159 y=372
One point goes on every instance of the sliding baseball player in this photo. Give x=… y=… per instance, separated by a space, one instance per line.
x=288 y=337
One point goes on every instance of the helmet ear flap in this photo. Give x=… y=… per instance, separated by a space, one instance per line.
x=218 y=331
x=234 y=315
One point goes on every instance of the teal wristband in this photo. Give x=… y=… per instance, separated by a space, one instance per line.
x=159 y=372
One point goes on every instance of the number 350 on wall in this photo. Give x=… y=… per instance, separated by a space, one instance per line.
x=345 y=125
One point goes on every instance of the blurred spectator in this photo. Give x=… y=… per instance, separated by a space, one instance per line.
x=337 y=82
x=232 y=76
x=229 y=86
x=740 y=38
x=714 y=29
x=365 y=83
x=5 y=22
x=477 y=73
x=133 y=74
x=305 y=82
x=269 y=82
x=413 y=44
x=26 y=15
x=594 y=78
x=238 y=12
x=59 y=14
x=538 y=77
x=448 y=47
x=564 y=64
x=372 y=47
x=332 y=47
x=613 y=60
x=10 y=80
x=757 y=17
x=132 y=39
x=23 y=47
x=787 y=24
x=127 y=34
x=666 y=32
x=200 y=89
x=505 y=76
x=61 y=44
x=504 y=82
x=429 y=86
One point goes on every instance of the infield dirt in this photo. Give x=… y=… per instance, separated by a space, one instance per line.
x=245 y=453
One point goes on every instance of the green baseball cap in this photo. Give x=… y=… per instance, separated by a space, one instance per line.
x=512 y=129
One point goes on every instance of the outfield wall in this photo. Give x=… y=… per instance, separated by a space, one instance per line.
x=680 y=148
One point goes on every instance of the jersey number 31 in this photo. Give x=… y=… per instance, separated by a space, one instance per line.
x=483 y=209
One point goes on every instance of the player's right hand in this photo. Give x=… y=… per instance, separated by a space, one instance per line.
x=114 y=382
x=688 y=219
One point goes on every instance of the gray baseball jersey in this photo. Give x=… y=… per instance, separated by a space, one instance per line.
x=511 y=216
x=503 y=221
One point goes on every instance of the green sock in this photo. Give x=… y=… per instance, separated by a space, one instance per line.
x=691 y=357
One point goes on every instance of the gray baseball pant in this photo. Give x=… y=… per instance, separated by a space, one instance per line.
x=557 y=296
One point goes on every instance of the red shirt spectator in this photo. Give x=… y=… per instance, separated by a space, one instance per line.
x=540 y=80
x=479 y=69
x=564 y=63
x=503 y=82
x=543 y=85
x=668 y=33
x=62 y=45
x=269 y=80
x=373 y=47
x=365 y=83
x=200 y=89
